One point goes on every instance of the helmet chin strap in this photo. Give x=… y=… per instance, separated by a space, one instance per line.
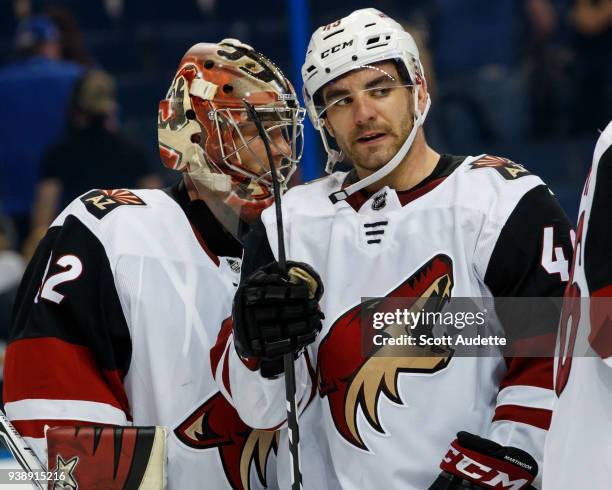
x=392 y=164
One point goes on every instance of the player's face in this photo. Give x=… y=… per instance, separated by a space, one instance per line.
x=369 y=113
x=254 y=157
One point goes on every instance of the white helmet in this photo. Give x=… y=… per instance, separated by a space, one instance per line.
x=364 y=37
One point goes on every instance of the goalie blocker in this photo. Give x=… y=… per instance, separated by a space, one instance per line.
x=113 y=458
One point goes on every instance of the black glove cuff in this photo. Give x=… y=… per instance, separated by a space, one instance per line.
x=273 y=368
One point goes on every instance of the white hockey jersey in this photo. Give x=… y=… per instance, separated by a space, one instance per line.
x=115 y=320
x=477 y=227
x=579 y=444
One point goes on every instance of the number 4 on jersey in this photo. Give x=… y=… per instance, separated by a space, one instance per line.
x=553 y=258
x=73 y=267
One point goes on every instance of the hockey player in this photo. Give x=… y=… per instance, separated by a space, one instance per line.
x=125 y=296
x=579 y=443
x=405 y=222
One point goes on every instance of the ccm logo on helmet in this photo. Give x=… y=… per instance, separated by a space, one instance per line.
x=478 y=472
x=336 y=48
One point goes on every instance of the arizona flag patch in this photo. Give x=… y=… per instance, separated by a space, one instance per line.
x=507 y=168
x=100 y=202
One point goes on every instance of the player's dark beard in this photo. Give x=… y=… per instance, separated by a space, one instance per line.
x=365 y=162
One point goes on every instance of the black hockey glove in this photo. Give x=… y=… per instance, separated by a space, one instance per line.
x=476 y=463
x=274 y=315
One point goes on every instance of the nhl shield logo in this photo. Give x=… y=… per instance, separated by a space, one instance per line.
x=379 y=201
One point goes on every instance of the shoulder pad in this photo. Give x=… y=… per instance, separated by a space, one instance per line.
x=100 y=202
x=314 y=181
x=508 y=169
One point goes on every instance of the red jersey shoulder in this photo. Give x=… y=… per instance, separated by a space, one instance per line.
x=508 y=169
x=100 y=202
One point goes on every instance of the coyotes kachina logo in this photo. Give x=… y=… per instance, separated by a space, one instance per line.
x=215 y=424
x=352 y=379
x=508 y=169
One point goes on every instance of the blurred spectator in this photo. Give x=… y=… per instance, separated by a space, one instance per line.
x=547 y=57
x=71 y=38
x=34 y=90
x=114 y=8
x=206 y=6
x=11 y=270
x=477 y=55
x=12 y=266
x=591 y=23
x=91 y=154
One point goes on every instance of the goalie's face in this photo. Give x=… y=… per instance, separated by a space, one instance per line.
x=250 y=149
x=369 y=113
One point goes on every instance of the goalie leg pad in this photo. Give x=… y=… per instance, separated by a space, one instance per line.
x=110 y=458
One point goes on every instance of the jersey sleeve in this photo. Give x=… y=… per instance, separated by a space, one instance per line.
x=597 y=243
x=259 y=401
x=69 y=345
x=529 y=262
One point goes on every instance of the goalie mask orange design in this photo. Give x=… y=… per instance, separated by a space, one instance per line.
x=204 y=129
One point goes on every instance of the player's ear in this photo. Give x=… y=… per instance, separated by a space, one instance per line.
x=422 y=95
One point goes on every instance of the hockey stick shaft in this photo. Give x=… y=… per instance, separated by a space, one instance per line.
x=20 y=450
x=292 y=422
x=290 y=389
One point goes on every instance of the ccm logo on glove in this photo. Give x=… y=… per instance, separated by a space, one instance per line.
x=486 y=464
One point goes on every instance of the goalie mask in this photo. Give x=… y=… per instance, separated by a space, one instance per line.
x=359 y=41
x=205 y=131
